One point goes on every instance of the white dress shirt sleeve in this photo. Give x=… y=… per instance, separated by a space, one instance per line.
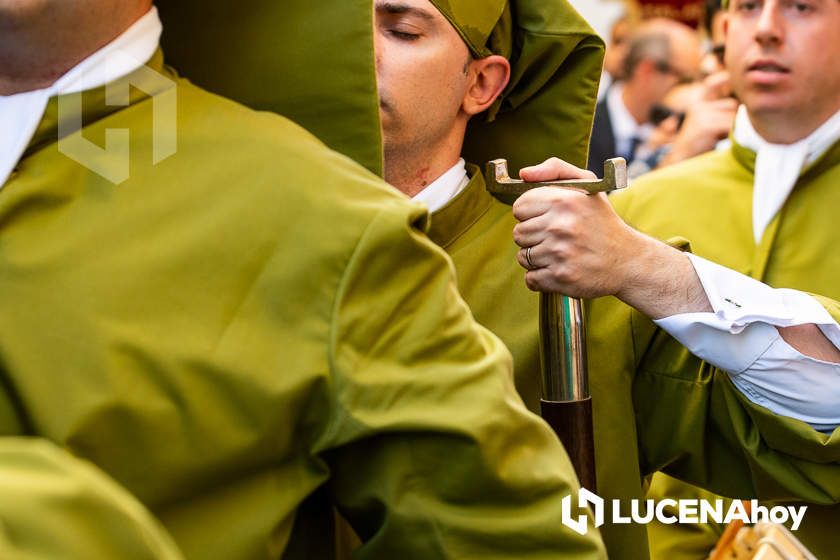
x=740 y=337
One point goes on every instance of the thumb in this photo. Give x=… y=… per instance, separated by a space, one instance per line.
x=553 y=169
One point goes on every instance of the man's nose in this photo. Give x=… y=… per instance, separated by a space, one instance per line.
x=770 y=27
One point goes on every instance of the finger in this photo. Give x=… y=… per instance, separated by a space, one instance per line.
x=726 y=104
x=541 y=200
x=541 y=280
x=552 y=169
x=533 y=203
x=532 y=232
x=721 y=122
x=522 y=258
x=523 y=255
x=717 y=85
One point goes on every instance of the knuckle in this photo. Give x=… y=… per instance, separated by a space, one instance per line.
x=558 y=251
x=531 y=282
x=519 y=209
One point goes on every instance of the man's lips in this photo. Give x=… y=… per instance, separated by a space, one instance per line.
x=768 y=66
x=767 y=73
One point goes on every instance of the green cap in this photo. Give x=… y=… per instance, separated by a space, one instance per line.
x=556 y=58
x=314 y=63
x=476 y=21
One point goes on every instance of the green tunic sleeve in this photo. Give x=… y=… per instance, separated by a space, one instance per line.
x=416 y=479
x=53 y=505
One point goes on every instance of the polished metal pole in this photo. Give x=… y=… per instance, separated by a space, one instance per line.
x=566 y=403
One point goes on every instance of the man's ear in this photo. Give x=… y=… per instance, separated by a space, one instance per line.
x=488 y=78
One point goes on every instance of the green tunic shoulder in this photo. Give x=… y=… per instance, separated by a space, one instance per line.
x=256 y=327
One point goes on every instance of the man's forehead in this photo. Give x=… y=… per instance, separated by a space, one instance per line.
x=419 y=8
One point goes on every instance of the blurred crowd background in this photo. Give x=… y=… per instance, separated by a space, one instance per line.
x=664 y=94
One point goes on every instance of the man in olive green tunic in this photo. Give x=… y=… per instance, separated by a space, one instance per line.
x=758 y=314
x=539 y=105
x=215 y=329
x=447 y=89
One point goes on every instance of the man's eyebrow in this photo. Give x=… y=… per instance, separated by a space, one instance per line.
x=396 y=8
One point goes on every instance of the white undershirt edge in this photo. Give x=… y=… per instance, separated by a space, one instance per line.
x=21 y=113
x=439 y=192
x=778 y=166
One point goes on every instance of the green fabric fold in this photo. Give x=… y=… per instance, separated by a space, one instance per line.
x=290 y=57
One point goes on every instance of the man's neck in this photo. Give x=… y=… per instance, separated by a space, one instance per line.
x=788 y=127
x=27 y=69
x=412 y=172
x=636 y=104
x=36 y=52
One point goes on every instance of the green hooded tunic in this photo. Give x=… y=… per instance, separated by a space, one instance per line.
x=546 y=110
x=690 y=421
x=255 y=328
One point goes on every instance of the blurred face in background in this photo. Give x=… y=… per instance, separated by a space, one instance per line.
x=668 y=116
x=617 y=49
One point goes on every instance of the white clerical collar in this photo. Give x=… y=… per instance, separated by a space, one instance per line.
x=624 y=126
x=778 y=166
x=21 y=113
x=439 y=192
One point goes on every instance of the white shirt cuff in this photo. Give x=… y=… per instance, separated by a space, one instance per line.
x=740 y=337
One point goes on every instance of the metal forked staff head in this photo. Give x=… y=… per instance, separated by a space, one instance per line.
x=500 y=182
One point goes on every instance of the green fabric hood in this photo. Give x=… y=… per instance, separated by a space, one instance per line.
x=314 y=63
x=288 y=57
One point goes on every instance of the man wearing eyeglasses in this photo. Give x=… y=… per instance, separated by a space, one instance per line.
x=662 y=54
